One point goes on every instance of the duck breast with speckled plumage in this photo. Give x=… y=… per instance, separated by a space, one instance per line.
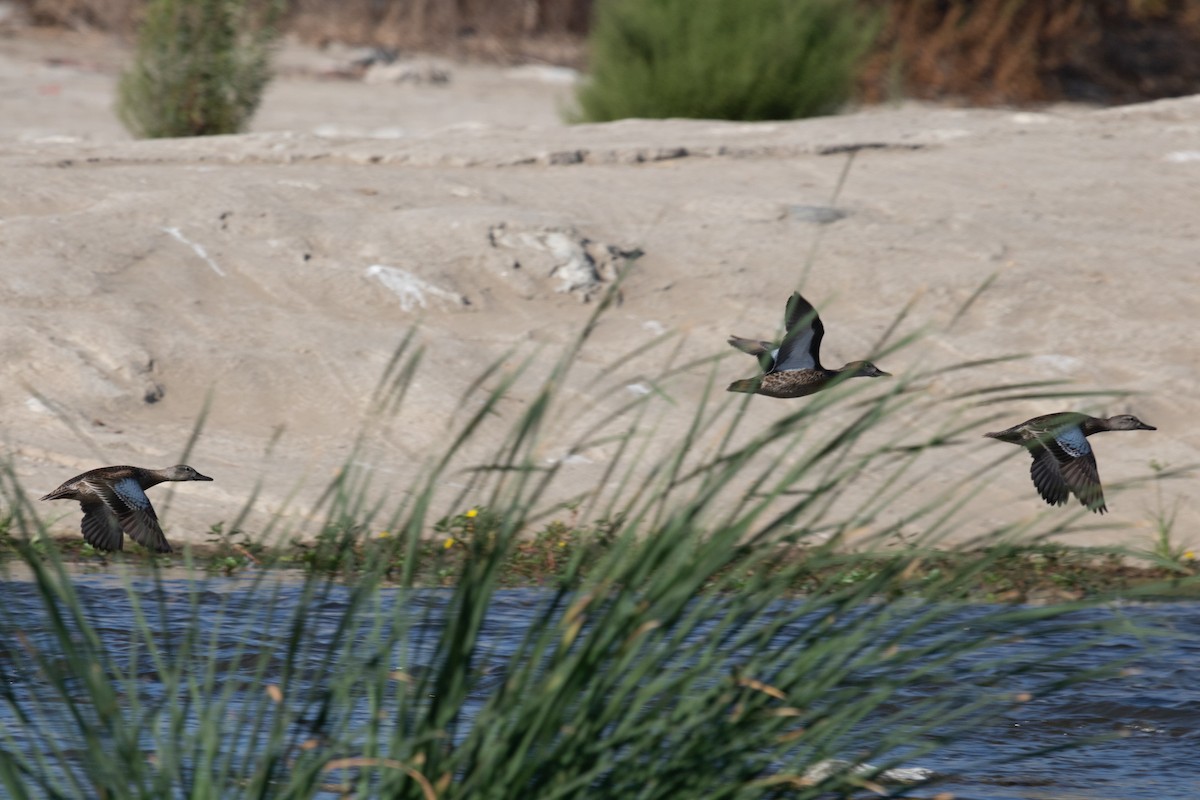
x=793 y=367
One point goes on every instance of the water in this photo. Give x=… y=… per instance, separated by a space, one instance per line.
x=1152 y=714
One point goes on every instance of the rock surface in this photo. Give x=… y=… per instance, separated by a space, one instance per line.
x=272 y=275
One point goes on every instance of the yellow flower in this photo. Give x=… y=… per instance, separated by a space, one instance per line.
x=383 y=535
x=449 y=542
x=561 y=543
x=472 y=514
x=1190 y=555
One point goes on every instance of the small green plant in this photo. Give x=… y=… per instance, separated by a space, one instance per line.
x=233 y=549
x=723 y=59
x=337 y=549
x=200 y=69
x=467 y=527
x=1165 y=549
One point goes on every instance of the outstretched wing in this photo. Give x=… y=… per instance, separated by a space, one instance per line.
x=801 y=346
x=128 y=502
x=1065 y=463
x=1047 y=477
x=101 y=529
x=765 y=352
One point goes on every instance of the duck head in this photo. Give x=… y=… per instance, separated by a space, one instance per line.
x=182 y=472
x=1128 y=422
x=864 y=369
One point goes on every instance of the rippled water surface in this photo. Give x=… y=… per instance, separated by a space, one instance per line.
x=1152 y=715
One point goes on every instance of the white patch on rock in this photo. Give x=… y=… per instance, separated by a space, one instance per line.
x=638 y=388
x=579 y=264
x=1032 y=118
x=1183 y=156
x=36 y=406
x=731 y=129
x=947 y=134
x=310 y=185
x=567 y=460
x=1058 y=362
x=412 y=291
x=52 y=138
x=654 y=326
x=544 y=73
x=333 y=131
x=417 y=72
x=197 y=248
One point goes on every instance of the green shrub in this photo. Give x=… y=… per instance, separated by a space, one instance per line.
x=723 y=59
x=200 y=69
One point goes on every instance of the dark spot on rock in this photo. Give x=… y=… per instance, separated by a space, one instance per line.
x=564 y=157
x=821 y=215
x=838 y=149
x=154 y=393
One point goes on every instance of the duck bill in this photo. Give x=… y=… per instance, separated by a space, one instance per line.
x=200 y=477
x=1144 y=427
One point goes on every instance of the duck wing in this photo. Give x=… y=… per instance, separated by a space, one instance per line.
x=1083 y=477
x=101 y=528
x=126 y=499
x=765 y=352
x=1074 y=463
x=801 y=345
x=754 y=347
x=1047 y=477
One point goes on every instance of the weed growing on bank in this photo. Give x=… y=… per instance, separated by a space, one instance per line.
x=200 y=68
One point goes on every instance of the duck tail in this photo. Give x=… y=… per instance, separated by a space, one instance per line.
x=749 y=386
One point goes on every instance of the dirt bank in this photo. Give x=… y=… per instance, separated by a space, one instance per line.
x=278 y=271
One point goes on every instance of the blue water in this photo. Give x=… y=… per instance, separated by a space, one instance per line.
x=1148 y=719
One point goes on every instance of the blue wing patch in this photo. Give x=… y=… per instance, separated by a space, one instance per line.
x=1073 y=442
x=131 y=494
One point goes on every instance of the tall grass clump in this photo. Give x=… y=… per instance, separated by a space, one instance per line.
x=723 y=59
x=679 y=665
x=200 y=69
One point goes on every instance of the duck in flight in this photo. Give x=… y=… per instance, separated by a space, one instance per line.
x=1063 y=461
x=793 y=367
x=115 y=504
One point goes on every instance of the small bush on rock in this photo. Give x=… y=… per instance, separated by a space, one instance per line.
x=723 y=59
x=200 y=69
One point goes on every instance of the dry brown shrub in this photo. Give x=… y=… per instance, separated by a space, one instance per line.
x=990 y=52
x=119 y=16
